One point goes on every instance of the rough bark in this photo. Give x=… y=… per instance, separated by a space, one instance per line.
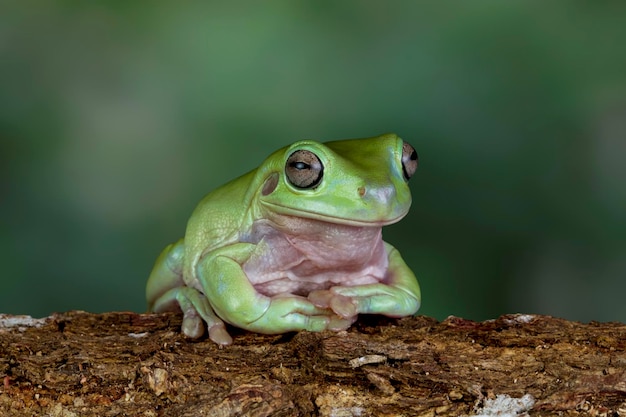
x=81 y=364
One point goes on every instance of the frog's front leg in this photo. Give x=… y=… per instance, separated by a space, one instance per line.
x=235 y=299
x=399 y=296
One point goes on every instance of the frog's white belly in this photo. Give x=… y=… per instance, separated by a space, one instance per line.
x=332 y=256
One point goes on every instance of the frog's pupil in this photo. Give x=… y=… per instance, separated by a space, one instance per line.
x=300 y=165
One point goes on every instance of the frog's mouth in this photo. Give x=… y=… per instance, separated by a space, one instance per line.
x=314 y=215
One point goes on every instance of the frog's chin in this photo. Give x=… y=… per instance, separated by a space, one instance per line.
x=312 y=215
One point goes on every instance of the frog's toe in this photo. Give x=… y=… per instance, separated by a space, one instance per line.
x=320 y=298
x=343 y=306
x=219 y=335
x=306 y=322
x=192 y=327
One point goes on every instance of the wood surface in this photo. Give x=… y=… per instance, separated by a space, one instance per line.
x=82 y=364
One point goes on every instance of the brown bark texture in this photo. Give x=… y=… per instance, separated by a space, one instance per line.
x=82 y=364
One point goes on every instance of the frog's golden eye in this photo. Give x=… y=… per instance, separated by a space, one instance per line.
x=409 y=160
x=304 y=169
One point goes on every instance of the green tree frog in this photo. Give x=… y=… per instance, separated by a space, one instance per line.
x=295 y=244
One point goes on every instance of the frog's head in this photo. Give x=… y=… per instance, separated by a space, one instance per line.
x=354 y=182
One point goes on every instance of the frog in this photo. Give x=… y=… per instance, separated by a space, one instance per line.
x=295 y=244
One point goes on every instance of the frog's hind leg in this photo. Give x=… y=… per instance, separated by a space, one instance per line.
x=166 y=291
x=195 y=307
x=167 y=273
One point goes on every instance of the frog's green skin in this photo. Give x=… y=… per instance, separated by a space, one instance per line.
x=294 y=244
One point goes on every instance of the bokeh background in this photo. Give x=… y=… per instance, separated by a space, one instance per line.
x=117 y=117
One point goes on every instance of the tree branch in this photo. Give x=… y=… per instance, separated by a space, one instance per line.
x=85 y=364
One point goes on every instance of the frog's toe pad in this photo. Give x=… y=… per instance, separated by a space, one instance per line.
x=343 y=306
x=219 y=335
x=320 y=298
x=193 y=327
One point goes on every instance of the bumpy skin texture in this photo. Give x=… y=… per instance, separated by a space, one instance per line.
x=294 y=244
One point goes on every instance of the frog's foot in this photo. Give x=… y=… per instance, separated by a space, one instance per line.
x=294 y=313
x=383 y=299
x=195 y=308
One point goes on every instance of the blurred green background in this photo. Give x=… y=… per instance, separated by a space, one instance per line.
x=117 y=117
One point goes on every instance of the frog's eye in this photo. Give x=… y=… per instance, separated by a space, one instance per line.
x=304 y=169
x=409 y=160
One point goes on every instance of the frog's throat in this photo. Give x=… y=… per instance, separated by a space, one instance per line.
x=309 y=214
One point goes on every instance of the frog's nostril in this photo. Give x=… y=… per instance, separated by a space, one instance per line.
x=362 y=191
